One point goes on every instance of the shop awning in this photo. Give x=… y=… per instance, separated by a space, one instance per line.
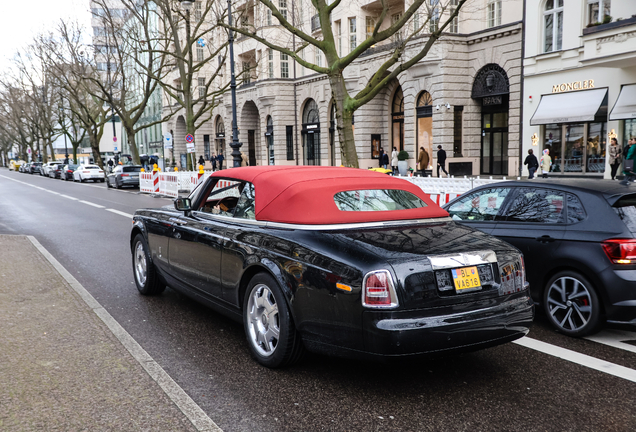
x=580 y=106
x=625 y=106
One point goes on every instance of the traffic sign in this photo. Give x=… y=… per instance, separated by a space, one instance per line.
x=189 y=138
x=114 y=139
x=167 y=140
x=115 y=149
x=201 y=42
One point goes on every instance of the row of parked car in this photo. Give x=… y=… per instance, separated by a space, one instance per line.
x=120 y=176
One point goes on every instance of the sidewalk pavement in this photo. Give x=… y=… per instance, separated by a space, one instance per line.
x=61 y=366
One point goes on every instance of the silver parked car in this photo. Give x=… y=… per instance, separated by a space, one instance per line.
x=124 y=175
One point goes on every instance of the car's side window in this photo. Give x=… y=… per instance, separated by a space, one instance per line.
x=223 y=197
x=482 y=205
x=245 y=206
x=576 y=212
x=536 y=205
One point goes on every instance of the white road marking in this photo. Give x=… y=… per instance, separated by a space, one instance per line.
x=128 y=215
x=91 y=204
x=615 y=338
x=69 y=197
x=578 y=358
x=190 y=408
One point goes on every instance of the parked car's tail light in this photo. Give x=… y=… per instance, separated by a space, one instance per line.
x=86 y=172
x=378 y=290
x=620 y=251
x=125 y=175
x=513 y=275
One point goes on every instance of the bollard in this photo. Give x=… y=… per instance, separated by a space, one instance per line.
x=155 y=179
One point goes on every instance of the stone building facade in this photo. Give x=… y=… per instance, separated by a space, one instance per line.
x=464 y=96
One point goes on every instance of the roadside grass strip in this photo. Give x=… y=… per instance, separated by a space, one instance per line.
x=578 y=358
x=616 y=339
x=190 y=408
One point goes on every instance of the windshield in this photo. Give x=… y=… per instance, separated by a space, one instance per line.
x=377 y=200
x=625 y=207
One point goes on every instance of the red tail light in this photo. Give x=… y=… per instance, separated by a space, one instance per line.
x=620 y=251
x=378 y=290
x=125 y=175
x=86 y=172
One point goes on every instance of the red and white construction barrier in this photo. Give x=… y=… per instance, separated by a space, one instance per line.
x=145 y=182
x=155 y=181
x=169 y=184
x=442 y=198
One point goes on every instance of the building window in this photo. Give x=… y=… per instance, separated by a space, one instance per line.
x=370 y=21
x=339 y=36
x=397 y=119
x=284 y=65
x=598 y=11
x=397 y=36
x=494 y=13
x=199 y=54
x=353 y=39
x=433 y=24
x=269 y=137
x=424 y=124
x=318 y=57
x=197 y=11
x=202 y=87
x=247 y=73
x=270 y=63
x=206 y=147
x=269 y=17
x=553 y=25
x=282 y=7
x=290 y=142
x=454 y=24
x=457 y=130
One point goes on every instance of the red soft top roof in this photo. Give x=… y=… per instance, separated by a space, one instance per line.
x=304 y=195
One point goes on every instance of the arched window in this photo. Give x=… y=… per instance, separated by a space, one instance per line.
x=553 y=25
x=424 y=114
x=397 y=119
x=311 y=133
x=220 y=135
x=269 y=138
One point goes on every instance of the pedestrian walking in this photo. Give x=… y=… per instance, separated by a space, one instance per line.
x=422 y=160
x=213 y=161
x=532 y=162
x=244 y=161
x=201 y=160
x=628 y=169
x=220 y=159
x=110 y=165
x=385 y=161
x=394 y=160
x=441 y=160
x=615 y=157
x=545 y=163
x=381 y=157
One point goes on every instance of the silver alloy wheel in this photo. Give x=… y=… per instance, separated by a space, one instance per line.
x=264 y=322
x=140 y=264
x=569 y=303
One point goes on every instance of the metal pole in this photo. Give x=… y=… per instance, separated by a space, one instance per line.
x=295 y=85
x=236 y=145
x=189 y=92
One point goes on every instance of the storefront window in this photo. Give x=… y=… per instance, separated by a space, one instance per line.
x=573 y=156
x=576 y=148
x=629 y=131
x=397 y=115
x=596 y=145
x=424 y=114
x=552 y=142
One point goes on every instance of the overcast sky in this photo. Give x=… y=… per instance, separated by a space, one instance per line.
x=23 y=19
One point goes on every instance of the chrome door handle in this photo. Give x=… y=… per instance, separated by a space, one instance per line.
x=545 y=239
x=178 y=221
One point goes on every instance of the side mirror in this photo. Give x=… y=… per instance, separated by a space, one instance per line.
x=182 y=204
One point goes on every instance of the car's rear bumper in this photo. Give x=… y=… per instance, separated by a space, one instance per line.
x=620 y=286
x=129 y=181
x=439 y=330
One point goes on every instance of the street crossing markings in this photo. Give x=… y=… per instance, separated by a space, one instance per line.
x=128 y=215
x=189 y=407
x=91 y=204
x=615 y=338
x=578 y=358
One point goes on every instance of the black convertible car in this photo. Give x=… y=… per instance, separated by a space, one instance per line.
x=333 y=260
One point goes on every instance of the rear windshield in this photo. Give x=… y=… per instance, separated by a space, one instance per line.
x=91 y=167
x=132 y=169
x=73 y=167
x=377 y=200
x=625 y=207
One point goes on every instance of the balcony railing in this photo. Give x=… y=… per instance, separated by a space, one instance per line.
x=315 y=23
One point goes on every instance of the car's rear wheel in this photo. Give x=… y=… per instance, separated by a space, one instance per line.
x=146 y=277
x=108 y=184
x=271 y=335
x=572 y=305
x=117 y=185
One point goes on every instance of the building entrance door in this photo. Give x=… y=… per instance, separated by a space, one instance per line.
x=494 y=143
x=251 y=142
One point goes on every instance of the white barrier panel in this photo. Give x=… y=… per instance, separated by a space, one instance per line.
x=439 y=186
x=145 y=182
x=169 y=184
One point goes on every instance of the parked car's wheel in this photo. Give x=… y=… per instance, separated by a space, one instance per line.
x=102 y=180
x=146 y=277
x=117 y=185
x=271 y=335
x=108 y=184
x=571 y=304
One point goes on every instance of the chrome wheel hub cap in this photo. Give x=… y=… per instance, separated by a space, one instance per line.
x=264 y=324
x=140 y=264
x=569 y=303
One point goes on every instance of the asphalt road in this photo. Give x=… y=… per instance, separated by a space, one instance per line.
x=511 y=387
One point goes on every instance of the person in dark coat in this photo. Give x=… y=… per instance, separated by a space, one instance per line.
x=441 y=160
x=213 y=161
x=631 y=155
x=381 y=158
x=201 y=160
x=385 y=161
x=532 y=162
x=220 y=159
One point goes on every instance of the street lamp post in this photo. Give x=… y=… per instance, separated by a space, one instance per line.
x=236 y=145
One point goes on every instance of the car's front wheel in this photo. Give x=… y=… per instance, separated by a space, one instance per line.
x=146 y=277
x=271 y=335
x=572 y=305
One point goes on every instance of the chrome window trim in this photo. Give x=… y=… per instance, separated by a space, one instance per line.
x=394 y=304
x=332 y=227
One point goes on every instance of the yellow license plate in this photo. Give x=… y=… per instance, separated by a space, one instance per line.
x=466 y=279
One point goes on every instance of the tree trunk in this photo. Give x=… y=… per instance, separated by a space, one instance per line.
x=344 y=117
x=132 y=144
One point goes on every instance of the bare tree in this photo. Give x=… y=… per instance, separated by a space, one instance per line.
x=421 y=21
